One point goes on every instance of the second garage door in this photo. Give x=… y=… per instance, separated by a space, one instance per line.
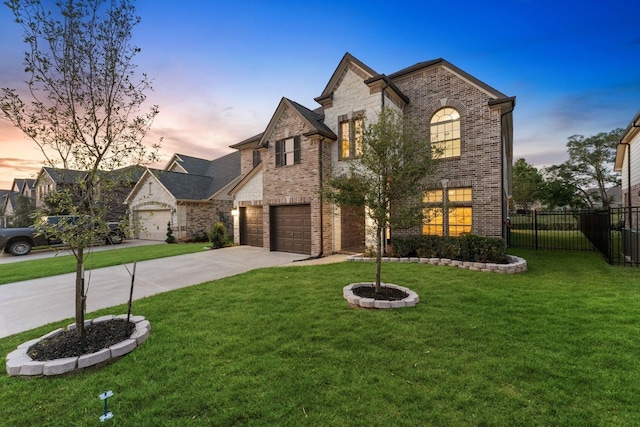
x=291 y=228
x=153 y=224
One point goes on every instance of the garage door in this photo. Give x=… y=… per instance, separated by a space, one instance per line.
x=251 y=226
x=153 y=224
x=291 y=228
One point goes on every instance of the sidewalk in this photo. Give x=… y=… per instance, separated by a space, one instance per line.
x=32 y=303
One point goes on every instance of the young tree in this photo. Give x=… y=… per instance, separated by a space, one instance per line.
x=389 y=177
x=590 y=166
x=527 y=182
x=85 y=104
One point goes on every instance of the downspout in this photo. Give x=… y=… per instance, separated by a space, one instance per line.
x=505 y=224
x=321 y=166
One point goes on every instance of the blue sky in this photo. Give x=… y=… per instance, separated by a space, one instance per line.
x=221 y=67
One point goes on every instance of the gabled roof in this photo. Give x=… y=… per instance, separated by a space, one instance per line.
x=189 y=164
x=219 y=173
x=20 y=183
x=462 y=74
x=336 y=77
x=125 y=175
x=184 y=186
x=312 y=118
x=64 y=176
x=223 y=170
x=253 y=141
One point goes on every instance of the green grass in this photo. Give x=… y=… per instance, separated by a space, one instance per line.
x=557 y=345
x=34 y=269
x=550 y=239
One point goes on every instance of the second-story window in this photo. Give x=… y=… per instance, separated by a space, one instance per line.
x=288 y=151
x=256 y=158
x=445 y=133
x=350 y=135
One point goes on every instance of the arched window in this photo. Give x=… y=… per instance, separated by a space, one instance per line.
x=445 y=133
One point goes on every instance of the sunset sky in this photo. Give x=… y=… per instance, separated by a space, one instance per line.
x=220 y=68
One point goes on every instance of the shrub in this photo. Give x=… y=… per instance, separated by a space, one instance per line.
x=170 y=237
x=469 y=247
x=218 y=235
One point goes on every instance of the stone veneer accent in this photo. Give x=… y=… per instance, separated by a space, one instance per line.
x=515 y=264
x=20 y=364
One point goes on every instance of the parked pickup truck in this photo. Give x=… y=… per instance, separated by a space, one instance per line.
x=20 y=241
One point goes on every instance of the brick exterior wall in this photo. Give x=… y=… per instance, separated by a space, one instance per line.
x=480 y=162
x=298 y=183
x=197 y=218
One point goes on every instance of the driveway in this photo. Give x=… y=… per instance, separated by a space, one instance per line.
x=32 y=303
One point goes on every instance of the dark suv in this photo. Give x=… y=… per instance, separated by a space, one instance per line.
x=20 y=241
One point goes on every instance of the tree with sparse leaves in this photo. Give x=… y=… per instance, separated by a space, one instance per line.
x=84 y=105
x=388 y=178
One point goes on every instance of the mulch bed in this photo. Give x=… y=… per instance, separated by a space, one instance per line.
x=68 y=344
x=388 y=294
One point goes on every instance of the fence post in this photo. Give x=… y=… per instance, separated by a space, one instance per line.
x=535 y=230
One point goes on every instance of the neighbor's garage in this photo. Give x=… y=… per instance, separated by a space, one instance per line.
x=251 y=226
x=152 y=224
x=291 y=228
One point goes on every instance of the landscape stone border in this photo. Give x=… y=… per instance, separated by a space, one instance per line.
x=20 y=364
x=515 y=264
x=354 y=300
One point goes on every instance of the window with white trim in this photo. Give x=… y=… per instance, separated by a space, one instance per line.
x=445 y=133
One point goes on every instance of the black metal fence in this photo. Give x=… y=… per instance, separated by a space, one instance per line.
x=614 y=232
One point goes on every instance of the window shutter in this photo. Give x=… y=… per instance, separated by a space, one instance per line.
x=296 y=150
x=279 y=153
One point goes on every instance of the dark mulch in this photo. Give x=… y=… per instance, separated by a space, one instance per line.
x=389 y=294
x=68 y=344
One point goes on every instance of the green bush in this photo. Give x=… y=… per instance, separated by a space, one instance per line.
x=469 y=247
x=170 y=237
x=218 y=236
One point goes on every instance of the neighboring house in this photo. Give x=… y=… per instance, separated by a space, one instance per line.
x=51 y=180
x=9 y=202
x=190 y=193
x=278 y=202
x=628 y=162
x=112 y=189
x=4 y=196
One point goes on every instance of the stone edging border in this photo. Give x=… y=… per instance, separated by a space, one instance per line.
x=20 y=364
x=354 y=300
x=515 y=264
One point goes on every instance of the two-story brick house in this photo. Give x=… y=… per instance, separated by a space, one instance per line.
x=278 y=200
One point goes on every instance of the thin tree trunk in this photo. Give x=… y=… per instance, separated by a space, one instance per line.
x=378 y=259
x=80 y=296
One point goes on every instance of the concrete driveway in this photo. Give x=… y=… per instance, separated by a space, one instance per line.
x=32 y=303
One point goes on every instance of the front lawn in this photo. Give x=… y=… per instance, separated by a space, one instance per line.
x=557 y=345
x=37 y=268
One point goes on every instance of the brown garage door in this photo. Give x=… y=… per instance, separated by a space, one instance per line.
x=251 y=226
x=291 y=228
